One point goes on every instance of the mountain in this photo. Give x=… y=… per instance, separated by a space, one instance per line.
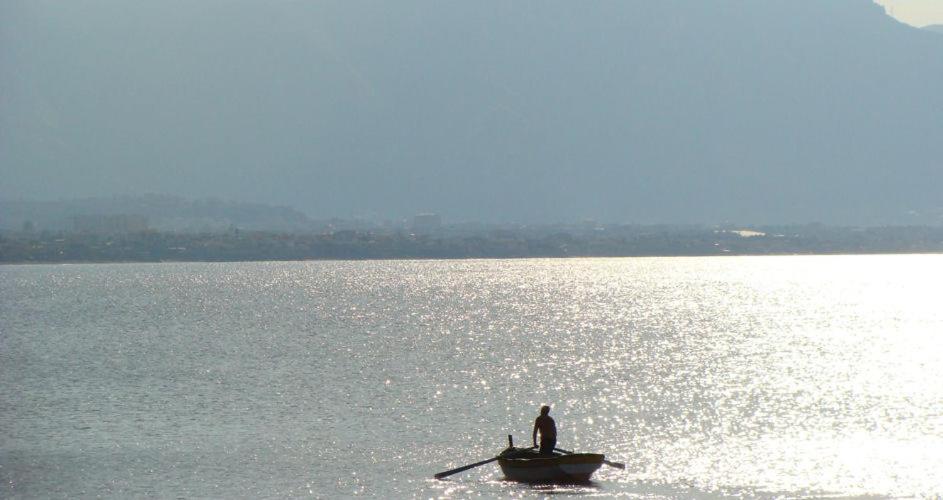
x=937 y=28
x=168 y=213
x=672 y=111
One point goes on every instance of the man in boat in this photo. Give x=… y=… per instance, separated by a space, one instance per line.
x=548 y=431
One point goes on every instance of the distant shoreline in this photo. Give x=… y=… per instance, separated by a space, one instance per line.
x=261 y=246
x=410 y=259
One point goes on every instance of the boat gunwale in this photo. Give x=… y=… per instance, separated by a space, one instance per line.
x=553 y=461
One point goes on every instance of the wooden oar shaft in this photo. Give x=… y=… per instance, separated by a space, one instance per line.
x=617 y=465
x=464 y=468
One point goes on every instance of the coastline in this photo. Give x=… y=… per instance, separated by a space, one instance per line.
x=529 y=257
x=455 y=244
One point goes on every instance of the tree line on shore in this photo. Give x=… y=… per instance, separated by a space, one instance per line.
x=235 y=245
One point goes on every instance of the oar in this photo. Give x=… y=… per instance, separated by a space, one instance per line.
x=464 y=468
x=617 y=465
x=471 y=466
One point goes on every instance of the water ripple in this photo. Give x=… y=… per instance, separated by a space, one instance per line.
x=708 y=377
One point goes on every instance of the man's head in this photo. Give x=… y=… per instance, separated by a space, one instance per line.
x=544 y=410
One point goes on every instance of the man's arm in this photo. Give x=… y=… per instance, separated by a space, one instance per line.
x=536 y=424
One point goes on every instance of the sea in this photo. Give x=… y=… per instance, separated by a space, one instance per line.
x=716 y=377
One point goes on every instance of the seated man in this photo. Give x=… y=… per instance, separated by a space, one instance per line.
x=548 y=431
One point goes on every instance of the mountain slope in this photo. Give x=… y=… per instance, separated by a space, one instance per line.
x=167 y=213
x=668 y=111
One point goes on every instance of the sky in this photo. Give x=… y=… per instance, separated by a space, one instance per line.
x=915 y=12
x=534 y=110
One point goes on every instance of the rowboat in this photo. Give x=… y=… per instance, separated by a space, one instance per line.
x=529 y=466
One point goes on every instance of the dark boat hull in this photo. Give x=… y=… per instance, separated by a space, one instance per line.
x=534 y=468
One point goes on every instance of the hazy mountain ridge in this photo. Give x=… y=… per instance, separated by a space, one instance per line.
x=937 y=28
x=161 y=212
x=669 y=111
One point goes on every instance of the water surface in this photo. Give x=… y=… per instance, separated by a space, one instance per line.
x=708 y=377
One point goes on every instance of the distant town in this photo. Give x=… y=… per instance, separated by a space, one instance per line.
x=158 y=229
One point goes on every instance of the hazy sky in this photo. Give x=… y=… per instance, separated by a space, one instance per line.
x=532 y=110
x=915 y=12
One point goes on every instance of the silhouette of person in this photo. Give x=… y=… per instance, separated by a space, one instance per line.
x=548 y=431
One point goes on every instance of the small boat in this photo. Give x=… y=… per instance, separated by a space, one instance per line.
x=529 y=466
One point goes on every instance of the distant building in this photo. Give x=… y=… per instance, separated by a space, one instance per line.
x=109 y=224
x=427 y=223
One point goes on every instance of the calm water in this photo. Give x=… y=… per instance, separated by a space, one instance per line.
x=708 y=377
